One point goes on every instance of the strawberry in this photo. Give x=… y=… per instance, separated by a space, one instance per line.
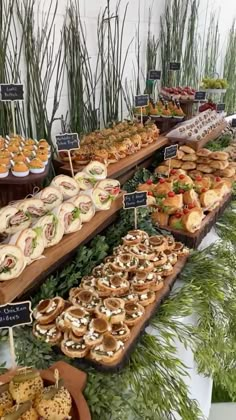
x=162 y=180
x=203 y=190
x=149 y=182
x=198 y=178
x=182 y=176
x=171 y=194
x=185 y=211
x=218 y=179
x=191 y=206
x=150 y=193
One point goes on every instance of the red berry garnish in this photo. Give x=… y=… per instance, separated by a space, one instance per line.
x=218 y=179
x=186 y=211
x=182 y=176
x=203 y=190
x=178 y=215
x=198 y=178
x=173 y=171
x=191 y=206
x=162 y=180
x=181 y=191
x=149 y=182
x=171 y=194
x=150 y=193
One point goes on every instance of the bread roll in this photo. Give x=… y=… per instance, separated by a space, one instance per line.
x=172 y=204
x=180 y=154
x=173 y=163
x=205 y=168
x=203 y=152
x=162 y=170
x=219 y=164
x=186 y=149
x=225 y=173
x=186 y=166
x=164 y=187
x=190 y=197
x=194 y=174
x=190 y=157
x=160 y=218
x=204 y=160
x=219 y=155
x=193 y=219
x=209 y=199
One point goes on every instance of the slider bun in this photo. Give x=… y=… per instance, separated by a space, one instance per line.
x=204 y=160
x=203 y=152
x=188 y=166
x=195 y=173
x=162 y=170
x=205 y=168
x=160 y=218
x=219 y=164
x=187 y=149
x=180 y=154
x=225 y=173
x=190 y=197
x=173 y=163
x=174 y=203
x=219 y=155
x=190 y=157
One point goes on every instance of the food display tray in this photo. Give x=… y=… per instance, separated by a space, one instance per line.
x=138 y=329
x=192 y=240
x=74 y=382
x=196 y=145
x=36 y=272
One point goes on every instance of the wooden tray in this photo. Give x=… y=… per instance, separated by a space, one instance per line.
x=74 y=381
x=56 y=255
x=139 y=328
x=116 y=170
x=192 y=240
x=196 y=145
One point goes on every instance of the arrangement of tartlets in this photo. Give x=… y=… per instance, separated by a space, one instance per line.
x=25 y=397
x=99 y=315
x=162 y=108
x=40 y=222
x=198 y=127
x=23 y=156
x=179 y=93
x=113 y=144
x=179 y=202
x=200 y=163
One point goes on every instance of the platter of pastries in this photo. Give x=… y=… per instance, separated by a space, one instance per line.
x=55 y=393
x=108 y=310
x=35 y=224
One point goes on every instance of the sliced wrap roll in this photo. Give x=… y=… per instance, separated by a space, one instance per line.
x=67 y=185
x=96 y=170
x=53 y=229
x=13 y=220
x=34 y=206
x=85 y=205
x=12 y=262
x=84 y=181
x=31 y=242
x=51 y=197
x=112 y=186
x=69 y=215
x=101 y=199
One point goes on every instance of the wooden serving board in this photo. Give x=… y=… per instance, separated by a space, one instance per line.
x=196 y=145
x=56 y=255
x=116 y=170
x=138 y=329
x=74 y=382
x=192 y=240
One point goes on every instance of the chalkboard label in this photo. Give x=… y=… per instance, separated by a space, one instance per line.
x=220 y=107
x=175 y=66
x=141 y=100
x=13 y=314
x=233 y=122
x=12 y=92
x=200 y=96
x=67 y=141
x=171 y=152
x=154 y=74
x=135 y=199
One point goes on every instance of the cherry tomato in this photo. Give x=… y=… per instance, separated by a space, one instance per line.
x=150 y=193
x=185 y=211
x=191 y=206
x=182 y=176
x=203 y=190
x=162 y=180
x=149 y=182
x=178 y=215
x=173 y=171
x=218 y=179
x=171 y=194
x=198 y=178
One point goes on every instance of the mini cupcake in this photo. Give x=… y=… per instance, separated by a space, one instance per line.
x=36 y=166
x=20 y=169
x=4 y=171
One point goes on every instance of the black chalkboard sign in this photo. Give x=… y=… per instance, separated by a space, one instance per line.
x=67 y=141
x=200 y=95
x=135 y=199
x=233 y=122
x=12 y=92
x=154 y=74
x=174 y=66
x=171 y=152
x=13 y=314
x=141 y=100
x=220 y=107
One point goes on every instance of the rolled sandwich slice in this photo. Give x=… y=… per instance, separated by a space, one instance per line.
x=101 y=199
x=84 y=181
x=33 y=206
x=51 y=197
x=67 y=185
x=12 y=262
x=69 y=216
x=13 y=220
x=31 y=242
x=53 y=229
x=96 y=170
x=112 y=186
x=86 y=207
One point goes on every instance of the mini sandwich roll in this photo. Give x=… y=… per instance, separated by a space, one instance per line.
x=69 y=216
x=73 y=318
x=84 y=182
x=189 y=157
x=187 y=166
x=203 y=152
x=126 y=262
x=223 y=156
x=86 y=299
x=97 y=328
x=48 y=333
x=13 y=220
x=48 y=310
x=53 y=229
x=162 y=170
x=120 y=332
x=204 y=160
x=187 y=149
x=193 y=219
x=112 y=186
x=112 y=309
x=194 y=174
x=51 y=197
x=172 y=163
x=190 y=197
x=209 y=199
x=163 y=187
x=221 y=188
x=133 y=313
x=67 y=185
x=205 y=169
x=108 y=351
x=31 y=242
x=34 y=206
x=219 y=164
x=225 y=173
x=86 y=207
x=172 y=204
x=147 y=297
x=114 y=285
x=202 y=182
x=74 y=346
x=96 y=170
x=12 y=262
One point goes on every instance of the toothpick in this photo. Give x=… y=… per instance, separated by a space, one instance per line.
x=71 y=165
x=169 y=168
x=12 y=349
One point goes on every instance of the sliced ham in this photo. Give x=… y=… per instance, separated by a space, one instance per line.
x=8 y=262
x=50 y=199
x=36 y=211
x=28 y=247
x=18 y=218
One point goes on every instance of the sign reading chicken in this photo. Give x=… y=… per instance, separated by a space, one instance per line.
x=14 y=314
